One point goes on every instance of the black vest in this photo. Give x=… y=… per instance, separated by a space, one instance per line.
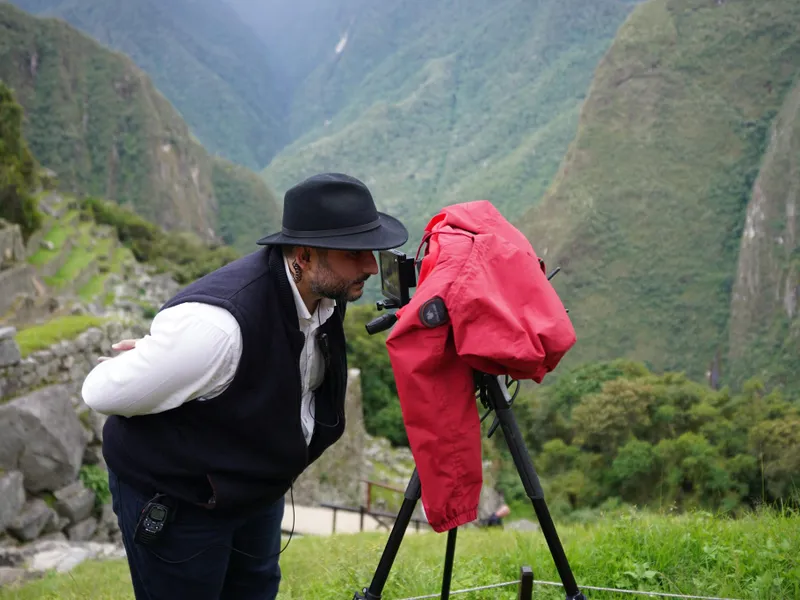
x=243 y=448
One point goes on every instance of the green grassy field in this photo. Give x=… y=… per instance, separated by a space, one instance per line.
x=60 y=231
x=754 y=557
x=67 y=327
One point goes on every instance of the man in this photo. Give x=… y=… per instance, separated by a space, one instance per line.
x=238 y=387
x=496 y=518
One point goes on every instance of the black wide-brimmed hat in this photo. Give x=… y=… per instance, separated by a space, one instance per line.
x=336 y=211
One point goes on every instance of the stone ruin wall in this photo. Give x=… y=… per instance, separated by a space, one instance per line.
x=48 y=435
x=16 y=275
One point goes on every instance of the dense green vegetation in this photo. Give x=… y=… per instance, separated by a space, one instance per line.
x=646 y=214
x=184 y=255
x=605 y=434
x=436 y=103
x=609 y=433
x=382 y=416
x=17 y=168
x=248 y=209
x=97 y=120
x=202 y=57
x=755 y=557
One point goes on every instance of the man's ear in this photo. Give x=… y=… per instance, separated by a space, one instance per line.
x=302 y=257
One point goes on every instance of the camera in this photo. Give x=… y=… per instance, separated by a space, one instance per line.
x=398 y=276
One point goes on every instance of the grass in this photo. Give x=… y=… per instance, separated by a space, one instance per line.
x=58 y=234
x=80 y=257
x=39 y=337
x=754 y=557
x=96 y=287
x=78 y=260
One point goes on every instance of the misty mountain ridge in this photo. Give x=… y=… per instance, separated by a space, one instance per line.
x=647 y=148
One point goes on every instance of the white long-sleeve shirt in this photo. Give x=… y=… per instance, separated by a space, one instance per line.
x=191 y=354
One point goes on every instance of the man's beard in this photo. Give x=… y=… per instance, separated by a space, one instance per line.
x=326 y=284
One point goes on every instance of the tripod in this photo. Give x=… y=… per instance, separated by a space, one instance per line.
x=495 y=397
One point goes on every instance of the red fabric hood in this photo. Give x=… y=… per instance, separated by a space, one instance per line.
x=483 y=302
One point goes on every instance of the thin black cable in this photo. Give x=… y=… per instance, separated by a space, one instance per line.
x=206 y=549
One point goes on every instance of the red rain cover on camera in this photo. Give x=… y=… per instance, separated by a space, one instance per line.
x=482 y=302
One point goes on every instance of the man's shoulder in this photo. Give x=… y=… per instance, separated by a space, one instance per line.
x=200 y=314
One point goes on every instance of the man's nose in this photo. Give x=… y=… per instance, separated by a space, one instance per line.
x=371 y=265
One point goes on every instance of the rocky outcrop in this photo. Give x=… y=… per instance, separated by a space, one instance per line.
x=19 y=564
x=15 y=282
x=54 y=510
x=41 y=436
x=764 y=325
x=139 y=293
x=20 y=284
x=12 y=249
x=337 y=476
x=9 y=351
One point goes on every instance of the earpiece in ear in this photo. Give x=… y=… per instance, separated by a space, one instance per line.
x=298 y=273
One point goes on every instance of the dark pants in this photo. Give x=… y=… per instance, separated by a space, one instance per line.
x=197 y=557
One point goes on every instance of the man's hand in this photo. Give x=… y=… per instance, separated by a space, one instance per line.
x=121 y=346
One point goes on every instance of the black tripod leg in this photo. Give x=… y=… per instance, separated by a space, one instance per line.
x=412 y=494
x=447 y=575
x=498 y=397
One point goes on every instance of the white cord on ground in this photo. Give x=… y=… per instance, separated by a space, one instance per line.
x=583 y=587
x=475 y=589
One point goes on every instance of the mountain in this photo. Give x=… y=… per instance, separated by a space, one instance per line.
x=299 y=35
x=673 y=215
x=210 y=65
x=764 y=328
x=437 y=103
x=98 y=121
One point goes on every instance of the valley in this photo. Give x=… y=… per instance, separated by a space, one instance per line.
x=650 y=149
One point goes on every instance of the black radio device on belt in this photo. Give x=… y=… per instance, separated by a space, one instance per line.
x=153 y=520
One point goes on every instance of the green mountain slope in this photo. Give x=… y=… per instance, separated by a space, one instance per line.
x=56 y=250
x=646 y=213
x=17 y=169
x=97 y=120
x=202 y=57
x=436 y=103
x=765 y=330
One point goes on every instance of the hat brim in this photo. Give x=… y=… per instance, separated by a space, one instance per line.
x=391 y=233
